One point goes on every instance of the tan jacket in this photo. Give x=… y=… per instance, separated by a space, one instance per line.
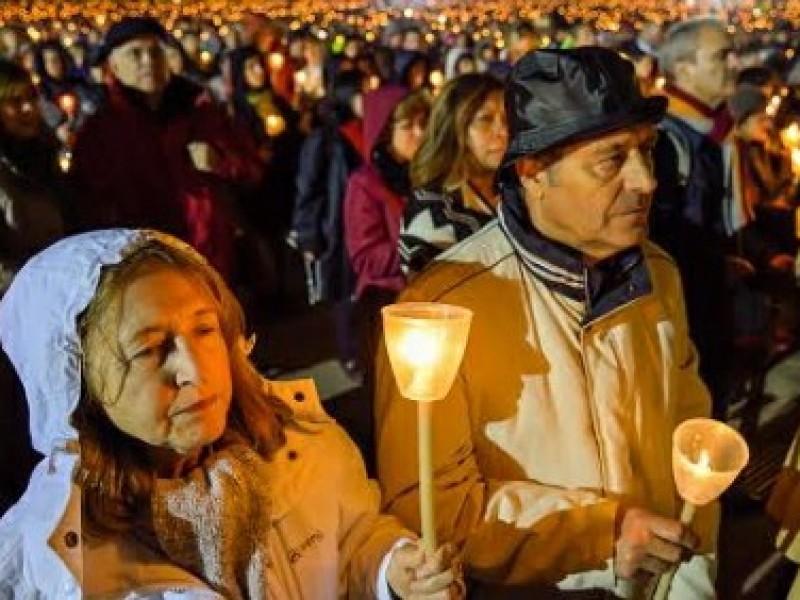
x=549 y=423
x=329 y=540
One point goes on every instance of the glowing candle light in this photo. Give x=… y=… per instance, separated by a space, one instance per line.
x=276 y=60
x=68 y=104
x=796 y=162
x=425 y=342
x=790 y=136
x=706 y=457
x=275 y=125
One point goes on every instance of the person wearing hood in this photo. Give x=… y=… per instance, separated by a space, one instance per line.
x=377 y=192
x=159 y=154
x=65 y=99
x=32 y=186
x=272 y=124
x=171 y=468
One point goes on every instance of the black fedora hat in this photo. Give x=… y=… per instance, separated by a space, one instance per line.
x=556 y=97
x=127 y=29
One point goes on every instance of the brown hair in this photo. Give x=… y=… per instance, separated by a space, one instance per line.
x=14 y=80
x=116 y=475
x=443 y=159
x=415 y=103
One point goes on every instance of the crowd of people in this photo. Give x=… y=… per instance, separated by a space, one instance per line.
x=616 y=208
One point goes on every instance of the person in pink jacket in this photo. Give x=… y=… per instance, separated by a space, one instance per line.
x=376 y=196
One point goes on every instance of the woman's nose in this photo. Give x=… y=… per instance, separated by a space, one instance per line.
x=187 y=371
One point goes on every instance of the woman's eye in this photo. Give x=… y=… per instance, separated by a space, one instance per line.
x=146 y=352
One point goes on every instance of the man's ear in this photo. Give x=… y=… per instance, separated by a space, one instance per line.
x=111 y=64
x=683 y=69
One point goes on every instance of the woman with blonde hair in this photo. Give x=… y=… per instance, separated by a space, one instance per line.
x=452 y=174
x=172 y=469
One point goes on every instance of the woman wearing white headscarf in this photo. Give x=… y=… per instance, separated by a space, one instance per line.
x=172 y=470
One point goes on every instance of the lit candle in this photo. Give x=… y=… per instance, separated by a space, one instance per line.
x=68 y=104
x=436 y=78
x=275 y=125
x=790 y=136
x=64 y=160
x=721 y=455
x=425 y=342
x=796 y=162
x=275 y=60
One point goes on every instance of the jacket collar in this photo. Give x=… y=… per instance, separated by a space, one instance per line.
x=603 y=287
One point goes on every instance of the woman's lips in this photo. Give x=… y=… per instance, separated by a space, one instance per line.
x=194 y=406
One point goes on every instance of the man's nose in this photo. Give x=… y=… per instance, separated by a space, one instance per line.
x=639 y=174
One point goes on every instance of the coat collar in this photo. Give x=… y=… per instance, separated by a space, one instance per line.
x=603 y=287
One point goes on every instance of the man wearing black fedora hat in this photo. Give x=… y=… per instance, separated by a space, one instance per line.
x=160 y=154
x=552 y=451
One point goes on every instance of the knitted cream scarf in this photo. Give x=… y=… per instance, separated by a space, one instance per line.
x=214 y=522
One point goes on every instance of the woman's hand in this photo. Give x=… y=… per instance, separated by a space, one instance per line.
x=415 y=576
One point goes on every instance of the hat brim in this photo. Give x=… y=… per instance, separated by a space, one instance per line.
x=106 y=48
x=536 y=142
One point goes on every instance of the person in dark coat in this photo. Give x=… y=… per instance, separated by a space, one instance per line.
x=328 y=157
x=160 y=154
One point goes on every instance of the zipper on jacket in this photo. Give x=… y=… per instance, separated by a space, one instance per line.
x=590 y=387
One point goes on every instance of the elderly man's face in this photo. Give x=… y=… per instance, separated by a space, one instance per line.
x=596 y=196
x=141 y=64
x=710 y=77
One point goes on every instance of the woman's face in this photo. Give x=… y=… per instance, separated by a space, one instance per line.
x=19 y=114
x=175 y=385
x=465 y=64
x=254 y=74
x=487 y=134
x=174 y=60
x=407 y=136
x=53 y=64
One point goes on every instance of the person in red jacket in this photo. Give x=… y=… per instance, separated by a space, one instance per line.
x=394 y=121
x=160 y=154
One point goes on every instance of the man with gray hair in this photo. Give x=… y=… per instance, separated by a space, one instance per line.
x=552 y=451
x=698 y=203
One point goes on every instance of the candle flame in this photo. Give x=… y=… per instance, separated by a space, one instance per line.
x=791 y=136
x=419 y=347
x=703 y=463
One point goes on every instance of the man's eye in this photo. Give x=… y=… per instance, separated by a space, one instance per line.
x=611 y=162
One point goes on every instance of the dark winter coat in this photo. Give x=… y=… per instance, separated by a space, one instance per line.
x=132 y=168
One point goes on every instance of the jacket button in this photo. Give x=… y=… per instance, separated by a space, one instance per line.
x=291 y=455
x=299 y=396
x=71 y=539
